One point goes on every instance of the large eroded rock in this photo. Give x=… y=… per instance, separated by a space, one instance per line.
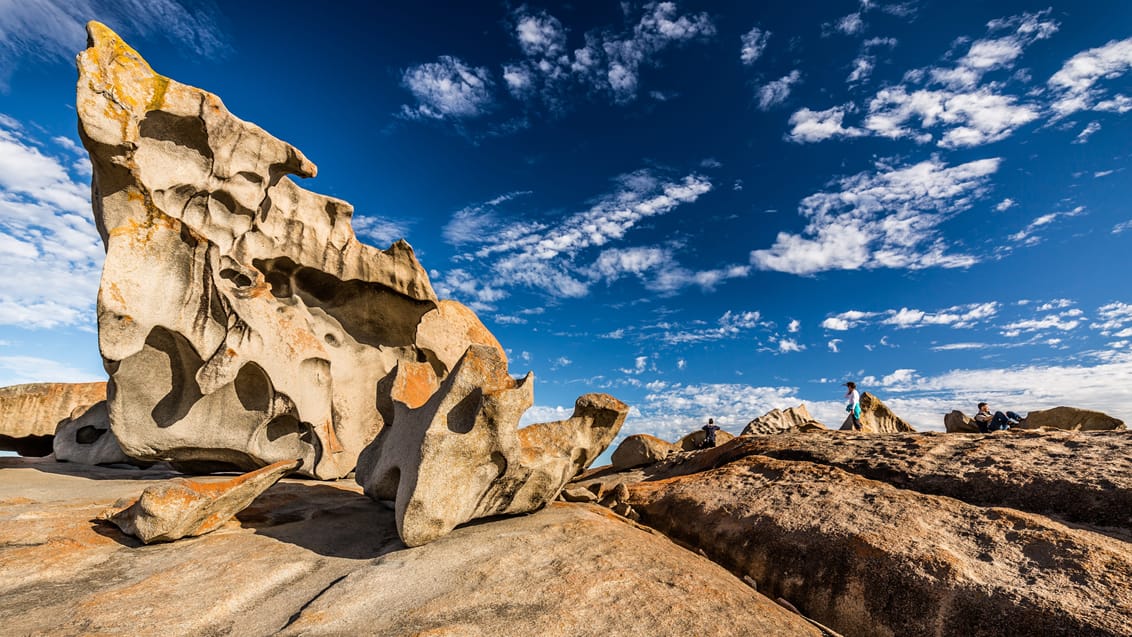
x=454 y=454
x=29 y=414
x=876 y=417
x=241 y=321
x=777 y=421
x=566 y=571
x=87 y=439
x=1072 y=418
x=641 y=449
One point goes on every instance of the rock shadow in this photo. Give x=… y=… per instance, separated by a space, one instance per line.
x=326 y=519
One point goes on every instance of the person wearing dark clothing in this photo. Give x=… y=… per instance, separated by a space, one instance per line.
x=709 y=434
x=998 y=421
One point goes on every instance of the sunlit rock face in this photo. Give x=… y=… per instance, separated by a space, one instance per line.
x=240 y=320
x=454 y=453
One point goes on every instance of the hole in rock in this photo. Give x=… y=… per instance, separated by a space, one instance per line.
x=462 y=417
x=88 y=434
x=281 y=426
x=239 y=278
x=253 y=388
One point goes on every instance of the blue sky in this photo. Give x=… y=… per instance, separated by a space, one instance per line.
x=705 y=209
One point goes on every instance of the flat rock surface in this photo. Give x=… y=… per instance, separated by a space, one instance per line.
x=321 y=558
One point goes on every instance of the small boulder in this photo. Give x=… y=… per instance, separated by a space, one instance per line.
x=187 y=508
x=778 y=421
x=959 y=422
x=694 y=440
x=641 y=449
x=876 y=417
x=1071 y=418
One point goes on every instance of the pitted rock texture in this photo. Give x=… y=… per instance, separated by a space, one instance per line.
x=455 y=454
x=641 y=449
x=777 y=421
x=566 y=571
x=241 y=321
x=29 y=414
x=910 y=534
x=876 y=417
x=187 y=508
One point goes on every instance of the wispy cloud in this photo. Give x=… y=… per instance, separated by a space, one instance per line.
x=752 y=44
x=1029 y=235
x=447 y=89
x=885 y=219
x=55 y=29
x=1077 y=85
x=50 y=251
x=17 y=370
x=730 y=325
x=774 y=93
x=557 y=256
x=380 y=230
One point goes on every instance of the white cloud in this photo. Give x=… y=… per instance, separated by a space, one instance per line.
x=815 y=126
x=753 y=43
x=479 y=223
x=1065 y=322
x=546 y=256
x=959 y=346
x=474 y=291
x=1122 y=226
x=970 y=118
x=50 y=251
x=794 y=326
x=672 y=410
x=1087 y=132
x=958 y=316
x=886 y=219
x=1114 y=320
x=1075 y=85
x=447 y=89
x=380 y=230
x=1005 y=204
x=55 y=29
x=851 y=24
x=1028 y=235
x=774 y=93
x=834 y=345
x=17 y=370
x=786 y=345
x=681 y=364
x=540 y=35
x=730 y=325
x=846 y=320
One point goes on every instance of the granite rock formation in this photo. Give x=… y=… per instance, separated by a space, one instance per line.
x=455 y=453
x=29 y=414
x=241 y=321
x=641 y=449
x=910 y=534
x=321 y=558
x=777 y=421
x=1071 y=418
x=876 y=417
x=187 y=508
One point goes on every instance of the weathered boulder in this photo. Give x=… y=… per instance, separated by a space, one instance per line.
x=29 y=414
x=777 y=421
x=188 y=508
x=1072 y=418
x=454 y=454
x=641 y=449
x=241 y=321
x=867 y=558
x=959 y=422
x=695 y=440
x=87 y=439
x=279 y=564
x=876 y=417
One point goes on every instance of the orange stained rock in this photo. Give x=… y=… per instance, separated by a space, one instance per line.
x=414 y=383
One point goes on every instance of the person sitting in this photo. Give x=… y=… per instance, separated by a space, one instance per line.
x=998 y=421
x=709 y=434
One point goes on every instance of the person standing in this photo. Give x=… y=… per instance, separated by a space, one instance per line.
x=709 y=434
x=854 y=406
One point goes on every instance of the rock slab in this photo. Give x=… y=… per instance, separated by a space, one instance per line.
x=29 y=414
x=188 y=508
